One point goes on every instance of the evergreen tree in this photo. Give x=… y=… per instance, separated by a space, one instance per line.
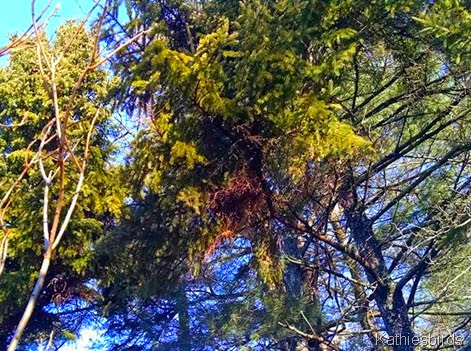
x=299 y=176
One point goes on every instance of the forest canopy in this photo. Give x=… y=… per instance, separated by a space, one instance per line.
x=207 y=175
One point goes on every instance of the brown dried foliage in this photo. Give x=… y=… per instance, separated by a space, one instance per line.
x=238 y=205
x=240 y=202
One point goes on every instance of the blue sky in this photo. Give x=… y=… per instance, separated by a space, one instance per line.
x=15 y=16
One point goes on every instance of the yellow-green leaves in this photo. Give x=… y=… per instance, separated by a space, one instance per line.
x=191 y=198
x=449 y=21
x=187 y=153
x=270 y=267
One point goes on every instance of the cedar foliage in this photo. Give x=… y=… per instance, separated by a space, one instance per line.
x=298 y=179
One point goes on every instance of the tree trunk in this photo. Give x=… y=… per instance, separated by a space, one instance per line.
x=31 y=302
x=294 y=281
x=184 y=331
x=358 y=291
x=293 y=274
x=390 y=301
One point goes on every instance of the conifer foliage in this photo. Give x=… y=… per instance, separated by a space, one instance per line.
x=291 y=175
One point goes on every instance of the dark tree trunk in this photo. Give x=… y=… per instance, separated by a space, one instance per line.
x=358 y=291
x=184 y=332
x=390 y=301
x=293 y=274
x=294 y=282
